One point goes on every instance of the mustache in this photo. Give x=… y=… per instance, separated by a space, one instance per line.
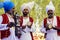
x=50 y=15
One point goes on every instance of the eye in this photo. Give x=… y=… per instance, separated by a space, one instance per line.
x=13 y=8
x=50 y=10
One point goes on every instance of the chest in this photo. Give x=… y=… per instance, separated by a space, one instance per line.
x=53 y=21
x=10 y=18
x=25 y=21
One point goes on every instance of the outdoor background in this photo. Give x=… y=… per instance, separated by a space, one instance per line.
x=38 y=12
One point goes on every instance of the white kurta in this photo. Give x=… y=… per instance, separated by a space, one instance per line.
x=58 y=37
x=3 y=27
x=51 y=34
x=26 y=36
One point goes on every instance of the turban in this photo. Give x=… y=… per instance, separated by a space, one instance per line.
x=8 y=6
x=29 y=6
x=50 y=7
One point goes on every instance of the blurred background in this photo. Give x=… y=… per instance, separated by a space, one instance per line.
x=38 y=13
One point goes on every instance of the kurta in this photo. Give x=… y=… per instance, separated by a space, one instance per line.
x=52 y=33
x=27 y=35
x=6 y=32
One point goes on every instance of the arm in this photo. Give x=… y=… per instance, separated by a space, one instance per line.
x=56 y=28
x=31 y=25
x=2 y=26
x=43 y=29
x=32 y=29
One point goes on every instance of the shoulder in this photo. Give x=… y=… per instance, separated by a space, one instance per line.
x=3 y=14
x=31 y=19
x=45 y=18
x=58 y=17
x=21 y=17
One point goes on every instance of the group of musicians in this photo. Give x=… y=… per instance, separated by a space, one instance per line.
x=50 y=25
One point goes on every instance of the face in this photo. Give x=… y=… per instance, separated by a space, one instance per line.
x=11 y=12
x=50 y=14
x=25 y=12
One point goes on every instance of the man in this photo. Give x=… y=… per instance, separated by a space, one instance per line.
x=5 y=22
x=51 y=23
x=26 y=23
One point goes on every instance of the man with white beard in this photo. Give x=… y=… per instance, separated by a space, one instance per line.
x=51 y=23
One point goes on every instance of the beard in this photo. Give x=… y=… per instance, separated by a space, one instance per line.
x=11 y=13
x=25 y=13
x=50 y=15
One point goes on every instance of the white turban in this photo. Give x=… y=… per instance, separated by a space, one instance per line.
x=29 y=6
x=50 y=7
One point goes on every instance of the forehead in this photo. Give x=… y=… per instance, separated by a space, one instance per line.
x=50 y=10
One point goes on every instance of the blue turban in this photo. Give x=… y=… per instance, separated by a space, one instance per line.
x=8 y=6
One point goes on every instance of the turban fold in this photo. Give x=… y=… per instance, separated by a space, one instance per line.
x=50 y=7
x=29 y=6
